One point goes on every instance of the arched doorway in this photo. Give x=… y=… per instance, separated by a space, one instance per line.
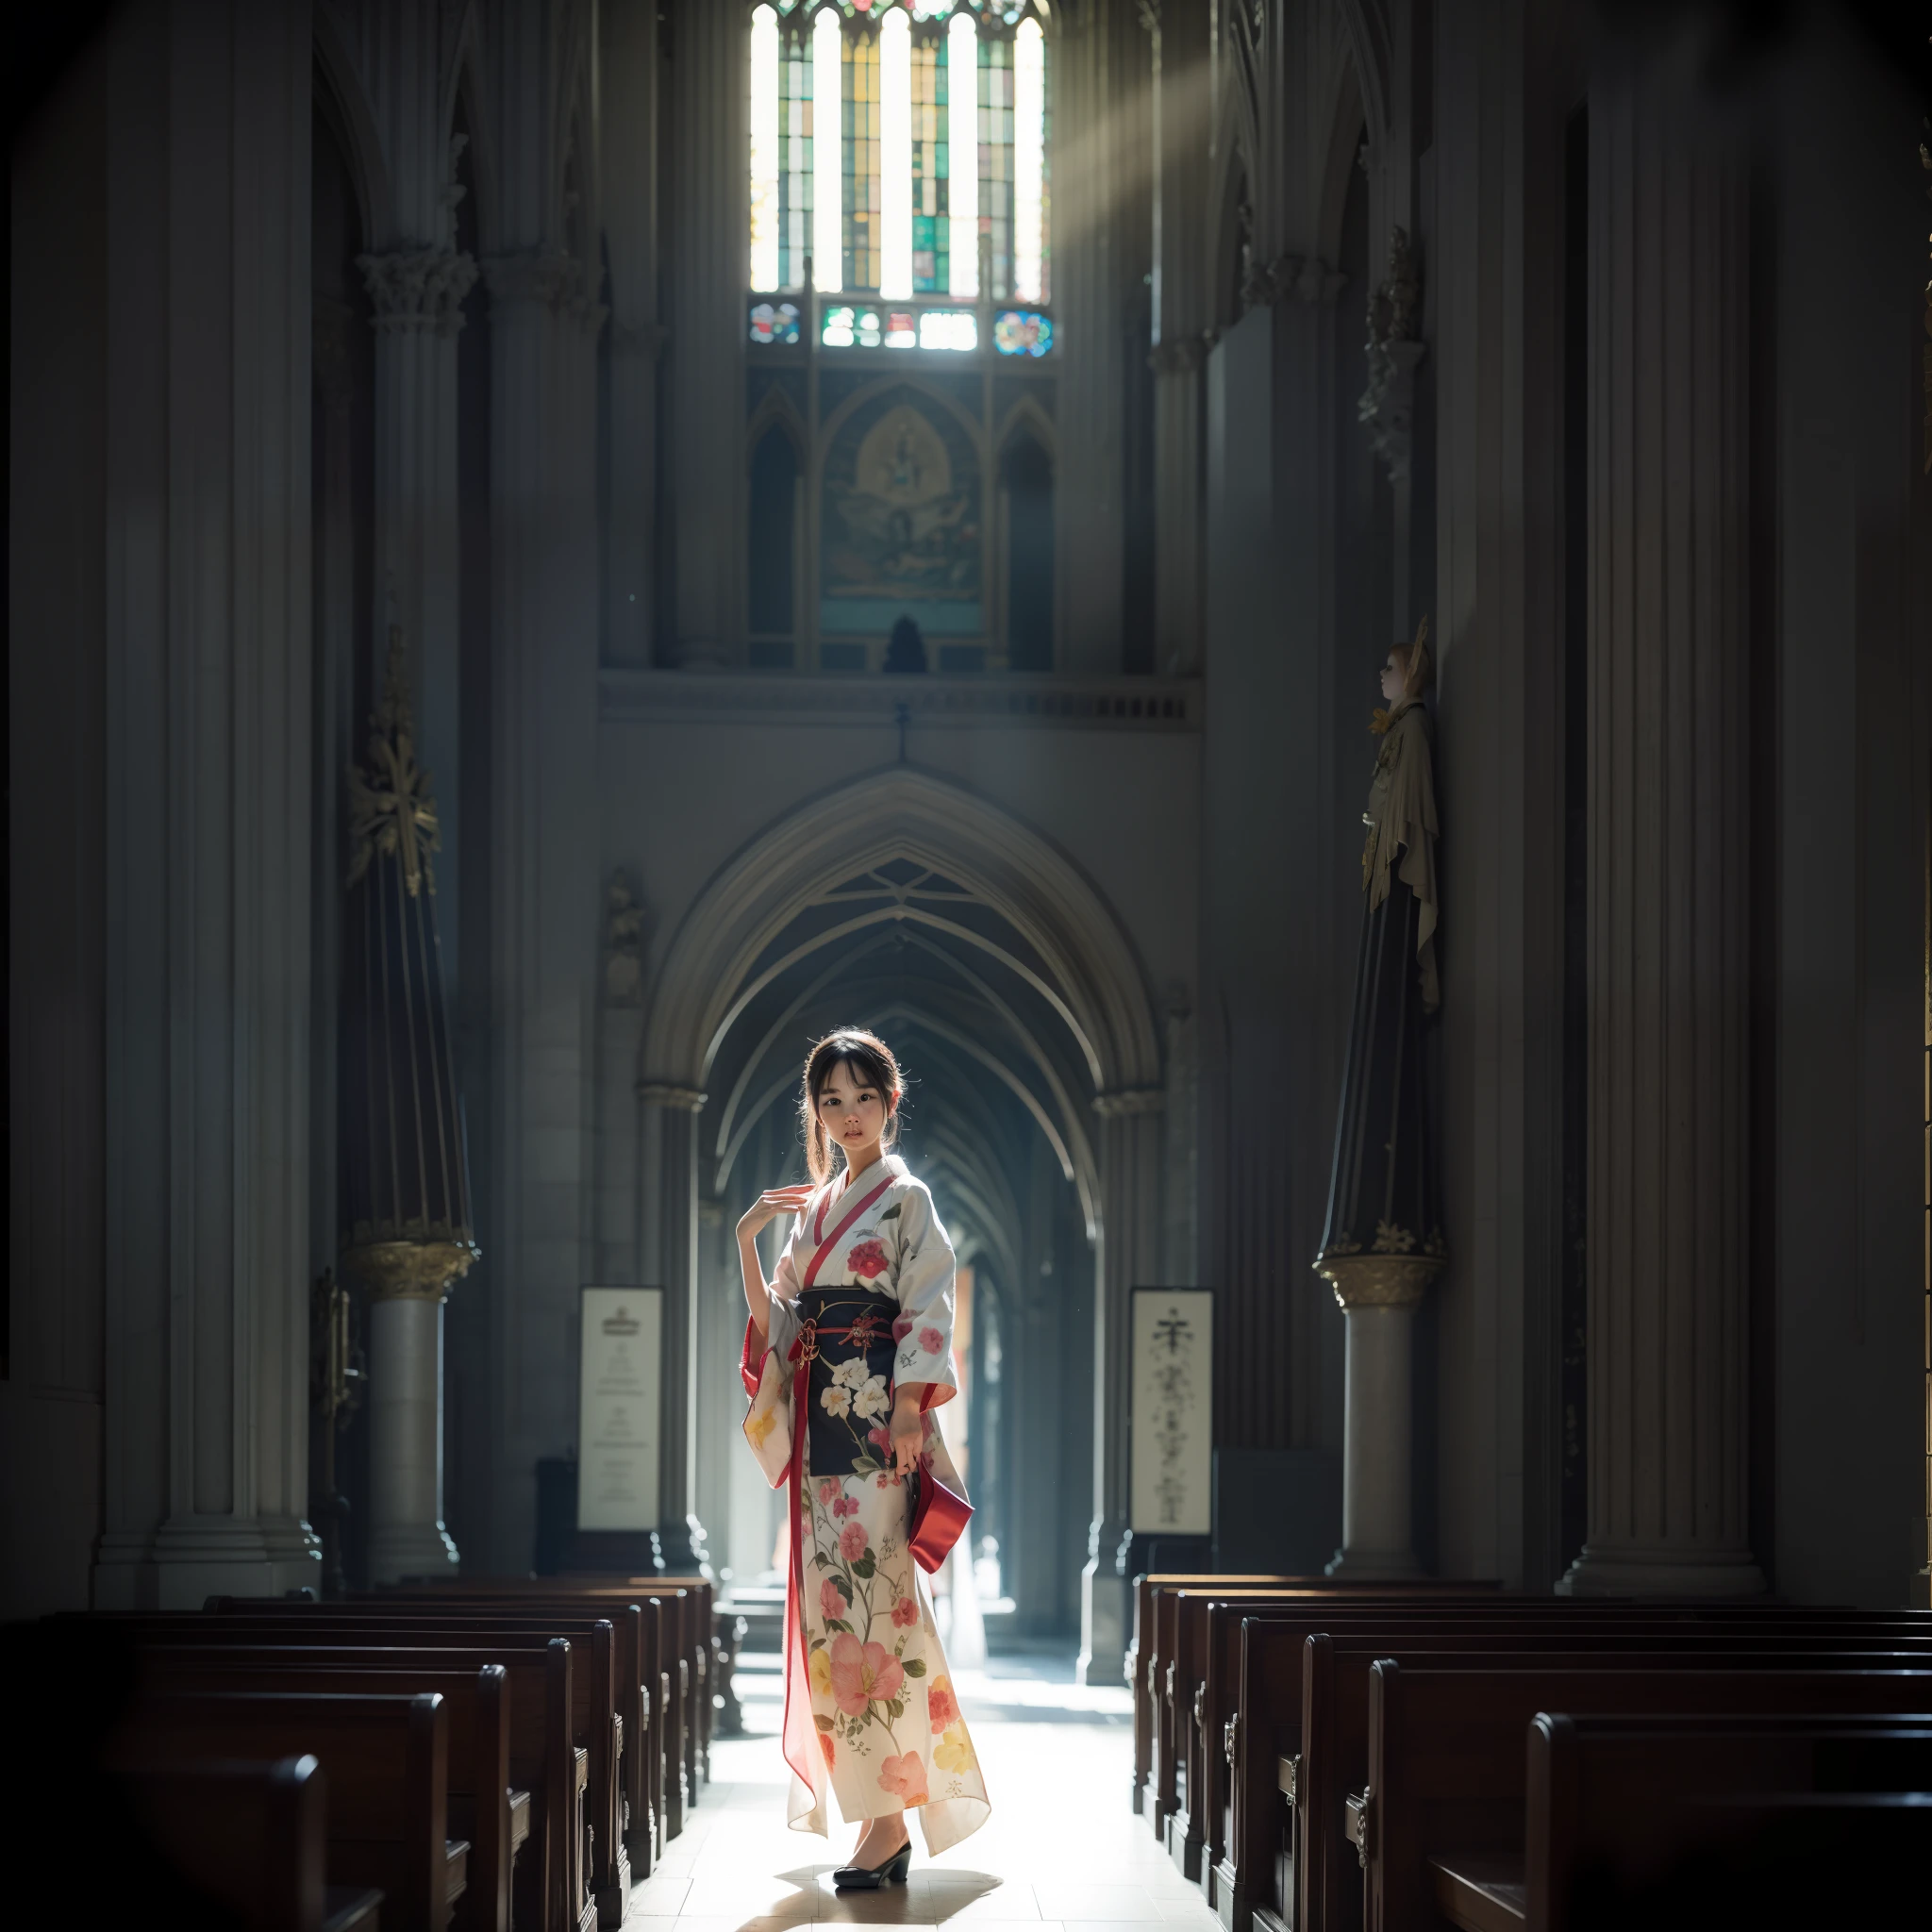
x=1017 y=1002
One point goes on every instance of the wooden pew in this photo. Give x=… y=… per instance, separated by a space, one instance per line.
x=1167 y=1685
x=250 y=1839
x=387 y=1760
x=1206 y=1670
x=551 y=1881
x=684 y=1743
x=1613 y=1796
x=643 y=1700
x=1443 y=1820
x=700 y=1643
x=1142 y=1669
x=596 y=1723
x=1290 y=1863
x=1184 y=1797
x=484 y=1807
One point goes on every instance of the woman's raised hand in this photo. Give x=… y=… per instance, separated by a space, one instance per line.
x=769 y=1206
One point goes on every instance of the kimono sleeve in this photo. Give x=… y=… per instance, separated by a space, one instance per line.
x=924 y=1284
x=781 y=1315
x=768 y=1422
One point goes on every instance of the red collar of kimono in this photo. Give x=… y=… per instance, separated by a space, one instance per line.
x=844 y=1222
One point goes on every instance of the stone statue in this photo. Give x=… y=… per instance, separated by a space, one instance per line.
x=1383 y=1240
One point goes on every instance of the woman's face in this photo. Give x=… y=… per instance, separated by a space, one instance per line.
x=853 y=1114
x=1393 y=679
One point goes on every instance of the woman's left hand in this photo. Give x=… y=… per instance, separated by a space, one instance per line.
x=907 y=1431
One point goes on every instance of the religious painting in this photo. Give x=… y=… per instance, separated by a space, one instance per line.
x=900 y=522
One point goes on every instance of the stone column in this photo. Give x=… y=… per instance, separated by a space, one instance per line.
x=629 y=134
x=1101 y=224
x=1129 y=1257
x=707 y=338
x=207 y=699
x=1182 y=240
x=1669 y=849
x=406 y=1537
x=669 y=1144
x=417 y=295
x=1379 y=1299
x=544 y=861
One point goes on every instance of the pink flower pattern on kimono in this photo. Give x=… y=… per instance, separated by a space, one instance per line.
x=942 y=1707
x=881 y=1701
x=863 y=1674
x=867 y=1259
x=905 y=1777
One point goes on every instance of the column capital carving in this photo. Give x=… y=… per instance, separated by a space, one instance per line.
x=1126 y=1100
x=550 y=277
x=418 y=290
x=1305 y=278
x=645 y=338
x=672 y=1096
x=1178 y=355
x=1379 y=1281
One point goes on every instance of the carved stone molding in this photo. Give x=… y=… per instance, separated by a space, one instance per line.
x=624 y=945
x=419 y=1271
x=1130 y=1100
x=556 y=280
x=1306 y=278
x=1379 y=1281
x=1178 y=355
x=667 y=1094
x=418 y=290
x=1387 y=408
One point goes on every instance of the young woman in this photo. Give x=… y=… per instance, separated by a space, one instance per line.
x=848 y=1351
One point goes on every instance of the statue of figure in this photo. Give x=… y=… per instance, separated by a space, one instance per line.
x=1382 y=1197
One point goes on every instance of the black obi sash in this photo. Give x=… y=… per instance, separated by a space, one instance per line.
x=849 y=1339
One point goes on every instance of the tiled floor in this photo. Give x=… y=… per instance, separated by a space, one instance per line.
x=1061 y=1849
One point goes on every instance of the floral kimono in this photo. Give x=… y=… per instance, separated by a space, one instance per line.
x=863 y=1299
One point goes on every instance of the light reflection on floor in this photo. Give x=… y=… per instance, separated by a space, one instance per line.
x=1062 y=1846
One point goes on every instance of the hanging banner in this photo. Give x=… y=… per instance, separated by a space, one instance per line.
x=1172 y=1438
x=620 y=1407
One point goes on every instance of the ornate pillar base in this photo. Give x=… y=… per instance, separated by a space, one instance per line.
x=1655 y=1570
x=1379 y=1295
x=406 y=1537
x=190 y=1558
x=1107 y=1614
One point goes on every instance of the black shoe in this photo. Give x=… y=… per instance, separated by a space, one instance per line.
x=876 y=1877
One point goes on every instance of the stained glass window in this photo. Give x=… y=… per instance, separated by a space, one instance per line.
x=996 y=158
x=862 y=162
x=962 y=153
x=794 y=163
x=930 y=177
x=930 y=236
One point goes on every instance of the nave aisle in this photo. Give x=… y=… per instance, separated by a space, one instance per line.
x=1062 y=1848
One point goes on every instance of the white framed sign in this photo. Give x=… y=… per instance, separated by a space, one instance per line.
x=1172 y=1438
x=620 y=1407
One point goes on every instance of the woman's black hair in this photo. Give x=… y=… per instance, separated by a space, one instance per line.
x=873 y=1065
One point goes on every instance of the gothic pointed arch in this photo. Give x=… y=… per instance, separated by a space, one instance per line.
x=1089 y=969
x=356 y=128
